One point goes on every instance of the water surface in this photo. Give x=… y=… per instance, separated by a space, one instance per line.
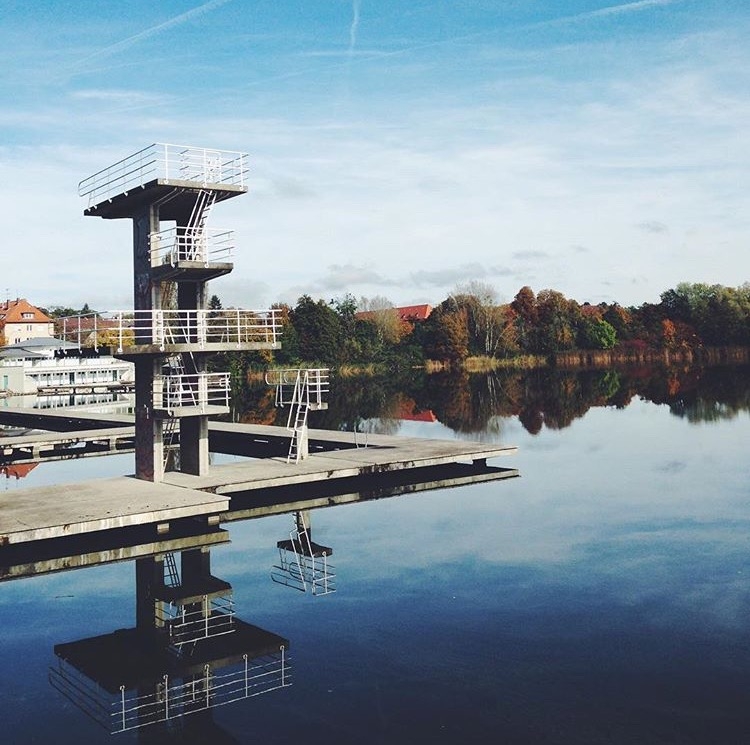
x=602 y=597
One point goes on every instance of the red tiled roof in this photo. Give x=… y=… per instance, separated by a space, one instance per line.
x=407 y=409
x=405 y=313
x=414 y=312
x=11 y=311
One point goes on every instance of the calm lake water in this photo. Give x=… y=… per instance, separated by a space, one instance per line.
x=602 y=597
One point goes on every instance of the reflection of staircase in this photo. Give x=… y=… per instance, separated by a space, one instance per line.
x=171 y=575
x=303 y=564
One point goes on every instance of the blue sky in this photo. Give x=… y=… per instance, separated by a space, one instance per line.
x=397 y=149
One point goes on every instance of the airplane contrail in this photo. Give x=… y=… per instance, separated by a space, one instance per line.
x=354 y=26
x=612 y=10
x=637 y=5
x=154 y=30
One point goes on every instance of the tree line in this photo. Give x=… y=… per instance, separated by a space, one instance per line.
x=470 y=322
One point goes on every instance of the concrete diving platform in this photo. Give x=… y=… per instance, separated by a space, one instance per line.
x=98 y=505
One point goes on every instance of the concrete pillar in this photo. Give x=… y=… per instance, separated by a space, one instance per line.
x=194 y=454
x=149 y=443
x=149 y=576
x=149 y=453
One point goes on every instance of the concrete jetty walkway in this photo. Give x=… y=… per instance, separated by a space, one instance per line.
x=103 y=504
x=100 y=504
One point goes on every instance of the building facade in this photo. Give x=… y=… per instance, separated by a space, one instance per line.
x=20 y=321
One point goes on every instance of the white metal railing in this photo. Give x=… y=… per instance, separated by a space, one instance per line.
x=169 y=163
x=163 y=328
x=295 y=384
x=197 y=390
x=181 y=244
x=174 y=697
x=303 y=572
x=205 y=619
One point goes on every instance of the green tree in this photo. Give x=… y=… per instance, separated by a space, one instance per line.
x=318 y=329
x=597 y=334
x=289 y=353
x=557 y=320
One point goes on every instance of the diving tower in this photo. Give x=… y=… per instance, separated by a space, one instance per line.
x=169 y=191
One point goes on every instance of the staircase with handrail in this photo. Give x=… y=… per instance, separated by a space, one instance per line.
x=303 y=390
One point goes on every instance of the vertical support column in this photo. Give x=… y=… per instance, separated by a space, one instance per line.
x=149 y=575
x=149 y=439
x=196 y=566
x=149 y=450
x=194 y=453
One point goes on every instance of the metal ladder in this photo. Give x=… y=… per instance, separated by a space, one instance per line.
x=170 y=438
x=300 y=405
x=307 y=386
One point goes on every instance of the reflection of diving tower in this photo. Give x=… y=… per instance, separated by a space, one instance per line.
x=171 y=332
x=188 y=654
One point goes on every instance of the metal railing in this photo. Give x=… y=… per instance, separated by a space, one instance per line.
x=169 y=163
x=181 y=244
x=197 y=390
x=163 y=328
x=303 y=572
x=203 y=620
x=176 y=697
x=295 y=384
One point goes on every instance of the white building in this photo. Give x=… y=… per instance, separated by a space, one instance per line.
x=37 y=364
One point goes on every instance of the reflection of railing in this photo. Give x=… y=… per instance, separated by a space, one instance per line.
x=168 y=163
x=172 y=698
x=304 y=573
x=304 y=565
x=295 y=384
x=205 y=619
x=124 y=328
x=181 y=244
x=194 y=391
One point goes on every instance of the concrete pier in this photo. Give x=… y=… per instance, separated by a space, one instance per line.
x=101 y=504
x=339 y=464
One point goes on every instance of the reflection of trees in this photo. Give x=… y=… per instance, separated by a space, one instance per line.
x=362 y=403
x=476 y=404
x=710 y=394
